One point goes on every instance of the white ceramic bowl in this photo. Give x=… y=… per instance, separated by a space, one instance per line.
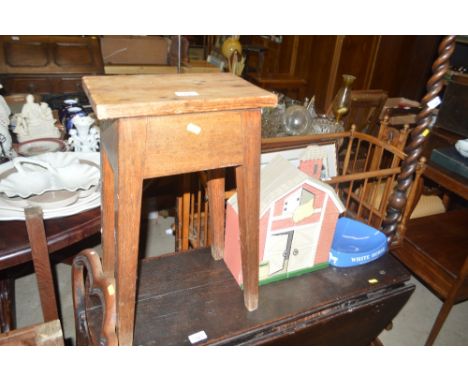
x=462 y=147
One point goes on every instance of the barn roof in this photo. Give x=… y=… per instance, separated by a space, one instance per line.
x=278 y=178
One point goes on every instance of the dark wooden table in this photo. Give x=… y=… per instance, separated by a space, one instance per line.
x=445 y=178
x=437 y=242
x=189 y=292
x=15 y=250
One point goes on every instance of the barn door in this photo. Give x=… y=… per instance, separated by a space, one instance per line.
x=303 y=247
x=279 y=249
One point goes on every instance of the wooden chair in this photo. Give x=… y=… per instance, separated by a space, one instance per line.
x=88 y=282
x=50 y=332
x=365 y=109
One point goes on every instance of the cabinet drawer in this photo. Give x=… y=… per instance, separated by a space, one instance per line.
x=193 y=142
x=28 y=85
x=69 y=85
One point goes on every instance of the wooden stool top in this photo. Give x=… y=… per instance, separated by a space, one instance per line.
x=166 y=94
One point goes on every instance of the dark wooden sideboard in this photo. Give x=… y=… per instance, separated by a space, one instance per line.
x=47 y=64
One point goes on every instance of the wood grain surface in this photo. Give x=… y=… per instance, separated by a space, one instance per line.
x=41 y=261
x=144 y=95
x=46 y=334
x=184 y=293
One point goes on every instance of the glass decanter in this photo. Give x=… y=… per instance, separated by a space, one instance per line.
x=340 y=106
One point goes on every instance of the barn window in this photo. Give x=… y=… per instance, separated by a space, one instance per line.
x=307 y=197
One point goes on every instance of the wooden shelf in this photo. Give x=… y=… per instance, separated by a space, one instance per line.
x=184 y=293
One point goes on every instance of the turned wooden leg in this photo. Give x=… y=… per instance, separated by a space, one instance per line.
x=217 y=212
x=248 y=194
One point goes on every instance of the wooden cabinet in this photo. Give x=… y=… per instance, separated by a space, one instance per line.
x=47 y=64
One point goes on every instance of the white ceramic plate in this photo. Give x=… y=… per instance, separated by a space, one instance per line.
x=41 y=146
x=84 y=204
x=58 y=204
x=50 y=199
x=25 y=177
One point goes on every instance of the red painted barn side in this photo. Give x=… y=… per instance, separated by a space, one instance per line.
x=327 y=232
x=232 y=241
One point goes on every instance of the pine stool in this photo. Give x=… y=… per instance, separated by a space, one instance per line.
x=160 y=125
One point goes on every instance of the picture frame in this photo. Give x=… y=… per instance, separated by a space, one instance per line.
x=325 y=150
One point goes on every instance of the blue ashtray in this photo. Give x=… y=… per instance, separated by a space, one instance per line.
x=356 y=243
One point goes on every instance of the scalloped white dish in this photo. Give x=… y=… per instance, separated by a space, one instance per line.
x=8 y=213
x=25 y=177
x=41 y=146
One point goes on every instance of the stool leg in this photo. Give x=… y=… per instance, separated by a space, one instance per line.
x=184 y=205
x=128 y=178
x=107 y=216
x=248 y=195
x=216 y=200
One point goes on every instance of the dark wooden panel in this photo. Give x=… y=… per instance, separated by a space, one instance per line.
x=416 y=63
x=399 y=65
x=403 y=65
x=73 y=54
x=26 y=54
x=387 y=71
x=277 y=55
x=359 y=325
x=181 y=294
x=314 y=64
x=357 y=57
x=70 y=85
x=50 y=55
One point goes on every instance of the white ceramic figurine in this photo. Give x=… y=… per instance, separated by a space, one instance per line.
x=35 y=121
